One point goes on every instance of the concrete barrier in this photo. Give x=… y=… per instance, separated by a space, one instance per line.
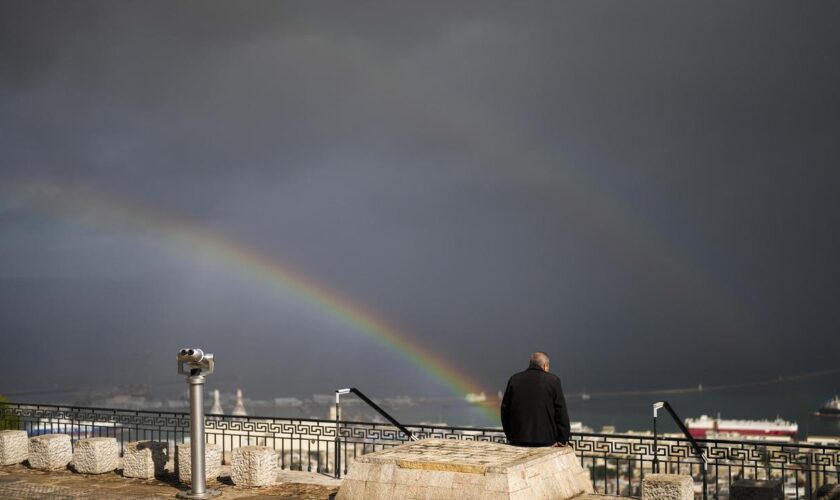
x=667 y=487
x=254 y=466
x=50 y=451
x=14 y=447
x=212 y=461
x=145 y=459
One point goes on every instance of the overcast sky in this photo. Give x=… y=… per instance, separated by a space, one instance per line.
x=649 y=191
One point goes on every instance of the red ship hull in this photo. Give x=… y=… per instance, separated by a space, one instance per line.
x=701 y=433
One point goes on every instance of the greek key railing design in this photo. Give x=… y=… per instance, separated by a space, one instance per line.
x=617 y=462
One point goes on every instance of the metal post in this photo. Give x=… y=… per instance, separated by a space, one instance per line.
x=199 y=478
x=809 y=481
x=337 y=435
x=656 y=407
x=199 y=365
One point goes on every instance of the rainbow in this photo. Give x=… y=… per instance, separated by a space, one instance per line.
x=99 y=208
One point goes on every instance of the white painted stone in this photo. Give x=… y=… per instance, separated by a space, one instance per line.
x=667 y=487
x=212 y=461
x=96 y=455
x=50 y=451
x=145 y=459
x=254 y=466
x=14 y=447
x=455 y=470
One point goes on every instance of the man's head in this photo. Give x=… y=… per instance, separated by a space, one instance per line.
x=539 y=360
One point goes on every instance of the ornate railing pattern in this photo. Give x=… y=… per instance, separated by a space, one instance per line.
x=616 y=462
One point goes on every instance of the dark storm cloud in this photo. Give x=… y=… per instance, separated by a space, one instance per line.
x=611 y=179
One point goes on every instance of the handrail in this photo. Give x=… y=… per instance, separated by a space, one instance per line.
x=699 y=451
x=373 y=405
x=370 y=403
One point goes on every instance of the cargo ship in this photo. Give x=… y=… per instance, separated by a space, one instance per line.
x=830 y=408
x=705 y=425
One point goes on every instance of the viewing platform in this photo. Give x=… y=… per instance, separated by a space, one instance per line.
x=313 y=455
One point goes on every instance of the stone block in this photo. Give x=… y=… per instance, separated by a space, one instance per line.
x=96 y=455
x=254 y=466
x=750 y=489
x=145 y=459
x=14 y=447
x=667 y=487
x=452 y=469
x=212 y=461
x=50 y=451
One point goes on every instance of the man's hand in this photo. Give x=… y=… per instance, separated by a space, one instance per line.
x=560 y=444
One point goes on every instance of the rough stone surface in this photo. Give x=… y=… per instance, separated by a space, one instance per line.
x=454 y=469
x=96 y=455
x=212 y=462
x=749 y=489
x=254 y=466
x=50 y=451
x=145 y=459
x=14 y=447
x=667 y=487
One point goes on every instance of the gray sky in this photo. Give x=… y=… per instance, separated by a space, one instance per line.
x=622 y=184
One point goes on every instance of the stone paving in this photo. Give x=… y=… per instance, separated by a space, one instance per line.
x=20 y=481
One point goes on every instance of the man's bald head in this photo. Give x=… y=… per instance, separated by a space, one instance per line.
x=539 y=360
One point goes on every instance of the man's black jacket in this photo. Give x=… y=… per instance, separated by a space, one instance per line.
x=534 y=409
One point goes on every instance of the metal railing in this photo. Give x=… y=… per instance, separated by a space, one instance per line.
x=616 y=462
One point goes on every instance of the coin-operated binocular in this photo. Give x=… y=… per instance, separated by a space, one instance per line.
x=196 y=365
x=190 y=360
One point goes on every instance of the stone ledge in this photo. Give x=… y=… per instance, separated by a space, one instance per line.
x=145 y=459
x=254 y=466
x=455 y=469
x=212 y=461
x=96 y=455
x=50 y=451
x=14 y=447
x=667 y=487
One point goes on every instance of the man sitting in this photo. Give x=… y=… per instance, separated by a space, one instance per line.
x=534 y=408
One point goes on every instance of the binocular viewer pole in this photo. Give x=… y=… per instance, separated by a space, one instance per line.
x=196 y=365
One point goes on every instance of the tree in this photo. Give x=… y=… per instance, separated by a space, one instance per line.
x=8 y=420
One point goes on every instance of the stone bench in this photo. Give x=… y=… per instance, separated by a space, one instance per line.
x=50 y=451
x=212 y=461
x=96 y=455
x=254 y=466
x=145 y=459
x=457 y=470
x=14 y=447
x=667 y=487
